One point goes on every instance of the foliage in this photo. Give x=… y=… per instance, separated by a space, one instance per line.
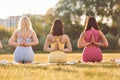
x=73 y=14
x=4 y=37
x=74 y=44
x=38 y=24
x=6 y=48
x=113 y=41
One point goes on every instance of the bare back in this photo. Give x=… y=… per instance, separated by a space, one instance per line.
x=19 y=34
x=92 y=37
x=61 y=40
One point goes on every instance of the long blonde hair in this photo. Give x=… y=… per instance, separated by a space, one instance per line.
x=24 y=25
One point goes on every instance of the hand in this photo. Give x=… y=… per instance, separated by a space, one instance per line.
x=61 y=49
x=55 y=47
x=22 y=43
x=27 y=44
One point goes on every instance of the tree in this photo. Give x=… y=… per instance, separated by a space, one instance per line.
x=69 y=14
x=72 y=11
x=38 y=26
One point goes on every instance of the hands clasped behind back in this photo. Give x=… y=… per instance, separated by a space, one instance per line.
x=23 y=43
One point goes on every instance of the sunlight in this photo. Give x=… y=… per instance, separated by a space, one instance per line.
x=83 y=19
x=19 y=7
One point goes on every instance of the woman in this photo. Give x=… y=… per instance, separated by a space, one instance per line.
x=119 y=42
x=0 y=45
x=91 y=39
x=57 y=41
x=26 y=38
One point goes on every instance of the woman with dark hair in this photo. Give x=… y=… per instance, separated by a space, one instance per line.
x=91 y=39
x=57 y=41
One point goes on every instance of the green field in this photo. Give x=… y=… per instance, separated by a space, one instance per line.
x=90 y=71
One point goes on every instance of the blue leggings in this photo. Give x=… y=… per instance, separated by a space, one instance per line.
x=23 y=54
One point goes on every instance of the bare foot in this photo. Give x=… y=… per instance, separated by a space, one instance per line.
x=27 y=62
x=112 y=60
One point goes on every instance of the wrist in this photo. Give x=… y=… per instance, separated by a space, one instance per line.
x=19 y=44
x=27 y=44
x=95 y=43
x=51 y=49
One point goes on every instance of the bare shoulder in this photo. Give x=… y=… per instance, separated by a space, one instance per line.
x=82 y=34
x=100 y=33
x=50 y=38
x=65 y=36
x=49 y=35
x=15 y=33
x=32 y=31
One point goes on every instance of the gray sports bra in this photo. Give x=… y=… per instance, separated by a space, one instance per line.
x=19 y=40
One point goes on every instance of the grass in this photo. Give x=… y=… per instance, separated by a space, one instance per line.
x=79 y=71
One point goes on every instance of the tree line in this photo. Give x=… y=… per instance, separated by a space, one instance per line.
x=73 y=14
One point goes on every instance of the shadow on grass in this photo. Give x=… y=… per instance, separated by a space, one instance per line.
x=37 y=67
x=64 y=70
x=96 y=65
x=25 y=66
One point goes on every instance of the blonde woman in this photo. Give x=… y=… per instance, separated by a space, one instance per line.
x=57 y=41
x=26 y=38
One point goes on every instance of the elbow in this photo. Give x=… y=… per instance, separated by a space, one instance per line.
x=10 y=43
x=106 y=45
x=79 y=46
x=44 y=49
x=37 y=43
x=1 y=46
x=70 y=50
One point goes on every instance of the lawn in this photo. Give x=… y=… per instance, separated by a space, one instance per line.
x=79 y=71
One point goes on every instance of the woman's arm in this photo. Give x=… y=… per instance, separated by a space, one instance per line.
x=12 y=40
x=0 y=45
x=81 y=42
x=103 y=42
x=46 y=45
x=119 y=42
x=68 y=44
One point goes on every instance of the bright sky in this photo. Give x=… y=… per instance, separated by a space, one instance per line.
x=19 y=7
